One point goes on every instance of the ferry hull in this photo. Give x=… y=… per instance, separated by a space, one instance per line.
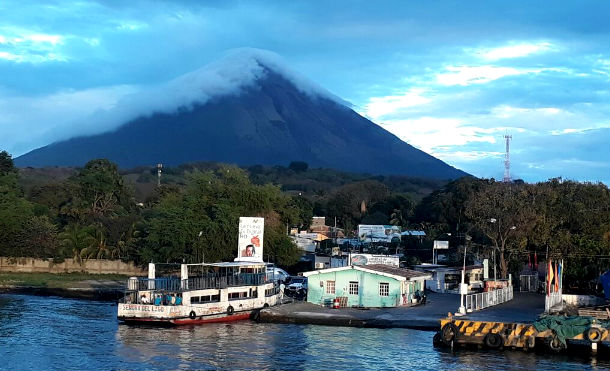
x=221 y=318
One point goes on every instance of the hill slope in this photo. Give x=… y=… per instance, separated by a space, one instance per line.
x=268 y=121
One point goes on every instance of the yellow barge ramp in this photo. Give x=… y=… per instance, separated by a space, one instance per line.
x=500 y=335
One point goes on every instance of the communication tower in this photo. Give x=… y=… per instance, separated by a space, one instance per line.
x=507 y=159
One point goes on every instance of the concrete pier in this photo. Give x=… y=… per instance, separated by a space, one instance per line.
x=524 y=308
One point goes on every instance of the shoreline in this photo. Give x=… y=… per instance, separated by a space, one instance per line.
x=85 y=293
x=77 y=285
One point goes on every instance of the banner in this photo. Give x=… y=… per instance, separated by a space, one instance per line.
x=250 y=243
x=378 y=233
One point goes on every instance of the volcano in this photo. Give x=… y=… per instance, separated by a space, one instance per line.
x=248 y=109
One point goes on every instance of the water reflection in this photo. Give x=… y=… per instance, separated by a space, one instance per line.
x=46 y=333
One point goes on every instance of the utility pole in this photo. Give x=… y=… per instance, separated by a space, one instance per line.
x=159 y=166
x=507 y=160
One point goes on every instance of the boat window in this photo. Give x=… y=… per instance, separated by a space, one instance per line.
x=205 y=299
x=238 y=295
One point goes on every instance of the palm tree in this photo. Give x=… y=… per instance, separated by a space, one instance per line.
x=75 y=238
x=98 y=248
x=397 y=218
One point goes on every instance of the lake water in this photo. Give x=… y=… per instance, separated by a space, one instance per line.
x=49 y=333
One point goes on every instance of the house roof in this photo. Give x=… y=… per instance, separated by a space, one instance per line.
x=395 y=271
x=401 y=274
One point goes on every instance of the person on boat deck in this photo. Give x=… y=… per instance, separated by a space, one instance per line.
x=248 y=251
x=178 y=300
x=158 y=300
x=144 y=299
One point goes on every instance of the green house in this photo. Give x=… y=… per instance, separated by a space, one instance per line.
x=365 y=285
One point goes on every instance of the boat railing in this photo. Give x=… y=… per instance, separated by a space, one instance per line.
x=211 y=281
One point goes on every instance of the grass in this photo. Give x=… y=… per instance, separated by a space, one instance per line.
x=58 y=280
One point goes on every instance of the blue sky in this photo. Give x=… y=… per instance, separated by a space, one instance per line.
x=449 y=77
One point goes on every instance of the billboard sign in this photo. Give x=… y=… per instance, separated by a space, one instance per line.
x=378 y=233
x=250 y=243
x=441 y=245
x=366 y=259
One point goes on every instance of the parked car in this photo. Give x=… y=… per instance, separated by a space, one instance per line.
x=297 y=282
x=297 y=287
x=277 y=274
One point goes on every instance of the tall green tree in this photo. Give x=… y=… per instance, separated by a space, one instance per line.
x=202 y=221
x=15 y=211
x=75 y=239
x=504 y=213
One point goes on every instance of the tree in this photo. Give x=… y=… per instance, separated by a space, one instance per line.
x=98 y=247
x=7 y=165
x=447 y=207
x=203 y=220
x=303 y=209
x=351 y=202
x=100 y=192
x=15 y=211
x=504 y=213
x=74 y=239
x=37 y=238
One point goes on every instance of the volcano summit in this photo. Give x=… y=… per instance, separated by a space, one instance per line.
x=247 y=109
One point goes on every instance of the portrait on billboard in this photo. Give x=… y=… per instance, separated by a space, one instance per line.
x=250 y=244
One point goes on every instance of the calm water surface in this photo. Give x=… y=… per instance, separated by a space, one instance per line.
x=48 y=333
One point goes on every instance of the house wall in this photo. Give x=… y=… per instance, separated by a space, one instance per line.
x=368 y=289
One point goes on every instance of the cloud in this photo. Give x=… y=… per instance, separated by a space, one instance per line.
x=468 y=75
x=377 y=107
x=513 y=51
x=431 y=134
x=65 y=114
x=446 y=77
x=20 y=45
x=32 y=122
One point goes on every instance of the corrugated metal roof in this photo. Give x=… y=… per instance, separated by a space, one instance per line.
x=401 y=272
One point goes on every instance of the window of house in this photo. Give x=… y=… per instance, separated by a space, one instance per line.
x=384 y=289
x=330 y=287
x=353 y=288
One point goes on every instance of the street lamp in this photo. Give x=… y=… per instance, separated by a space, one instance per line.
x=463 y=287
x=493 y=220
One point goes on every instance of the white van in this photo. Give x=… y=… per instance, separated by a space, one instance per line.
x=276 y=274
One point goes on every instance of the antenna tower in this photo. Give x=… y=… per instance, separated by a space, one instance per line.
x=507 y=160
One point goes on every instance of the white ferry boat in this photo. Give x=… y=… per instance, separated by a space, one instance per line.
x=220 y=292
x=204 y=293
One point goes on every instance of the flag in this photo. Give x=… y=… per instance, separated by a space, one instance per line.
x=529 y=260
x=535 y=260
x=557 y=277
x=549 y=278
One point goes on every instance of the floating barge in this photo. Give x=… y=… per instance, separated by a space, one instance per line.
x=552 y=333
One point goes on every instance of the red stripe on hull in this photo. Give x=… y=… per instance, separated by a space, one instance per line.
x=188 y=321
x=235 y=317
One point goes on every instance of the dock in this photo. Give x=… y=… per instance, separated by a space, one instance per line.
x=525 y=307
